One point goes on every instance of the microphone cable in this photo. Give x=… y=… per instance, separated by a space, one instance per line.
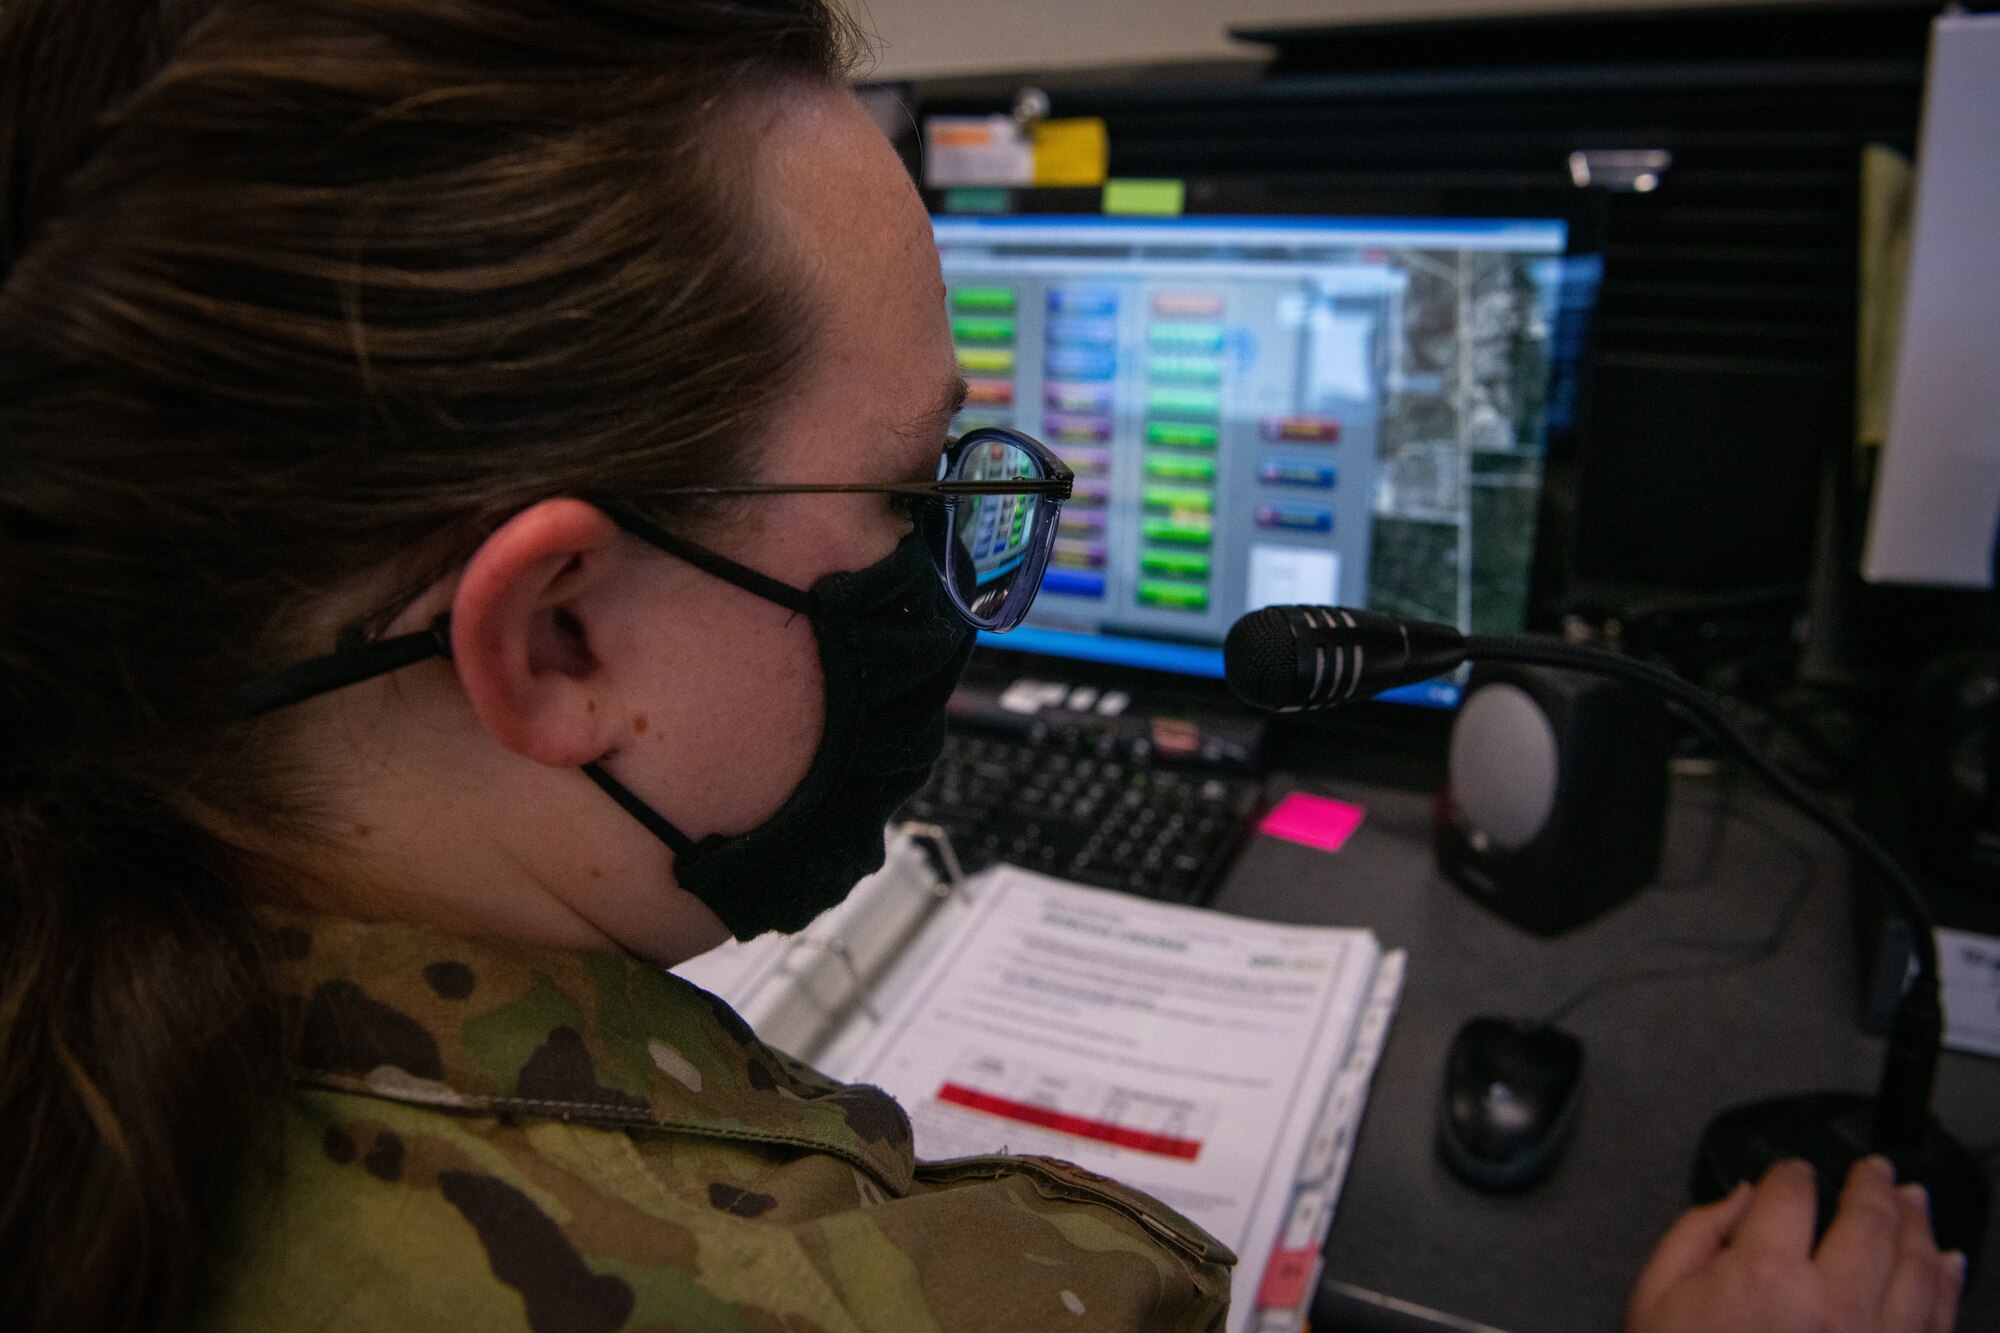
x=1725 y=954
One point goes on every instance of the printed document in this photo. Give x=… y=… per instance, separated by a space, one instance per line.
x=1184 y=1052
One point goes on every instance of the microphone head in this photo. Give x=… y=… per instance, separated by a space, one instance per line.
x=1287 y=659
x=1260 y=659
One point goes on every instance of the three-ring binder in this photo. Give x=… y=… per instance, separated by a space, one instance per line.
x=797 y=991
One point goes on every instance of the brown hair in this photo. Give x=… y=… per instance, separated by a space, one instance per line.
x=287 y=289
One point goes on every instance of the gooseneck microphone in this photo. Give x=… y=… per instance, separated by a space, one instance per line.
x=1290 y=659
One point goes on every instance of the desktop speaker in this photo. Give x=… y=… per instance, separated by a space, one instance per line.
x=1554 y=805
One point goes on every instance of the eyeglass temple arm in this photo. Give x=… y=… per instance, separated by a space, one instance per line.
x=784 y=594
x=1057 y=486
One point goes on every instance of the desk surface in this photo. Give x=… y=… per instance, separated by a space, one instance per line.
x=1663 y=1054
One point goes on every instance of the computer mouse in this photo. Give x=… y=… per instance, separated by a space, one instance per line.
x=1509 y=1098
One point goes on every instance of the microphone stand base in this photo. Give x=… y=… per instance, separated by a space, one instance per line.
x=1830 y=1131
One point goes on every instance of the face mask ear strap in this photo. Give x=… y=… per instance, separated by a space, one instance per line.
x=639 y=810
x=346 y=666
x=763 y=585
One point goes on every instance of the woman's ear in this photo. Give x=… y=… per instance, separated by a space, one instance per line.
x=521 y=640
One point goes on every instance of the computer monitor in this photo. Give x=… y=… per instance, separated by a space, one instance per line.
x=1273 y=409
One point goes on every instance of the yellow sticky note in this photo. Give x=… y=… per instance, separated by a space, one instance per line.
x=1146 y=198
x=1071 y=152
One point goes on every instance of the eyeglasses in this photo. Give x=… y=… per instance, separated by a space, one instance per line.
x=989 y=519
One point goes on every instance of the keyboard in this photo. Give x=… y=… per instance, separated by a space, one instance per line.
x=1081 y=808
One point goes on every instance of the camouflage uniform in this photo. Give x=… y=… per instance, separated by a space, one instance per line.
x=500 y=1137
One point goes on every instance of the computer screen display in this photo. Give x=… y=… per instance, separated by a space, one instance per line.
x=1265 y=410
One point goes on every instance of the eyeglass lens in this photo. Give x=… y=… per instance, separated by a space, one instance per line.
x=1000 y=543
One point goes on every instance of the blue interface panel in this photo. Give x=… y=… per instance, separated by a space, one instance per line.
x=1271 y=410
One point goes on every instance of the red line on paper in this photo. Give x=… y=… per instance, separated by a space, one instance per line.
x=1084 y=1128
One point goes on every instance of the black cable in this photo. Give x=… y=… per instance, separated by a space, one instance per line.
x=1720 y=810
x=1735 y=953
x=1916 y=1029
x=1788 y=722
x=1700 y=710
x=1771 y=594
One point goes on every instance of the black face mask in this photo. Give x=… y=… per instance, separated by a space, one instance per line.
x=891 y=649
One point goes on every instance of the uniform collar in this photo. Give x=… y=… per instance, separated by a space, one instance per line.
x=411 y=1014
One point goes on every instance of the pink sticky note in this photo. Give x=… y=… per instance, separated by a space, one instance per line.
x=1313 y=821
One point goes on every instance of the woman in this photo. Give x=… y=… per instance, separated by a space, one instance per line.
x=388 y=688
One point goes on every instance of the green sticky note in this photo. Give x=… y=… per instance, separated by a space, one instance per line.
x=978 y=199
x=1145 y=198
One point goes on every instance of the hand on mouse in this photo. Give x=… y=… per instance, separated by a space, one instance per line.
x=1747 y=1262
